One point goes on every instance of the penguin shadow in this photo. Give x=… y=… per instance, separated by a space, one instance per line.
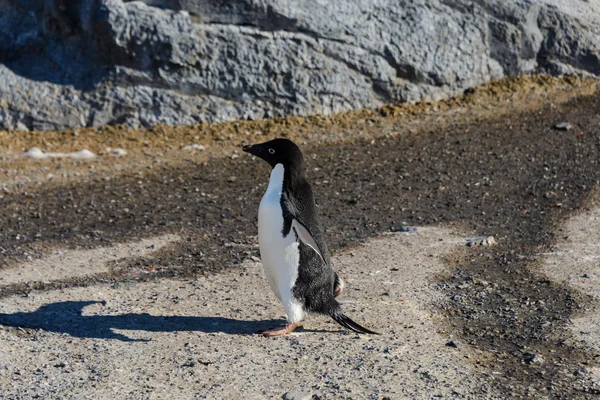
x=66 y=318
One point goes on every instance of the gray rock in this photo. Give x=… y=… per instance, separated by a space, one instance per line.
x=531 y=358
x=481 y=241
x=296 y=395
x=405 y=229
x=76 y=63
x=563 y=126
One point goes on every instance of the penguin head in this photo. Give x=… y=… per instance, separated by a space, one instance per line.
x=277 y=151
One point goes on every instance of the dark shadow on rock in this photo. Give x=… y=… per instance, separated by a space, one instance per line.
x=54 y=42
x=66 y=317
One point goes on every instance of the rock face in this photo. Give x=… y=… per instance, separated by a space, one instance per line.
x=76 y=63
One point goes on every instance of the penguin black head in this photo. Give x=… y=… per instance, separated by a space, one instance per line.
x=277 y=151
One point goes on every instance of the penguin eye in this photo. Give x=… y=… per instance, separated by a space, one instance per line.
x=271 y=151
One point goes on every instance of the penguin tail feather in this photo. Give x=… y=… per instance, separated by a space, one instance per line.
x=339 y=317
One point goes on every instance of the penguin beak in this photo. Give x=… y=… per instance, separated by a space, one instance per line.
x=255 y=150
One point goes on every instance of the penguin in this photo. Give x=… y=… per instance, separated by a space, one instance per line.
x=291 y=241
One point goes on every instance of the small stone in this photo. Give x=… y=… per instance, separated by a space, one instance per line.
x=531 y=358
x=451 y=343
x=296 y=395
x=197 y=147
x=116 y=152
x=481 y=241
x=35 y=153
x=405 y=229
x=189 y=363
x=20 y=126
x=563 y=126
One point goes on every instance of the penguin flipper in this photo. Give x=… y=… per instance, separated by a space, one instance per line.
x=304 y=235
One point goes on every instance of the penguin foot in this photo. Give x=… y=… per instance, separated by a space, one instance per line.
x=338 y=286
x=338 y=291
x=282 y=331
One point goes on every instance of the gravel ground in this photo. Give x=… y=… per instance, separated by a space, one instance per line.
x=194 y=338
x=516 y=160
x=575 y=261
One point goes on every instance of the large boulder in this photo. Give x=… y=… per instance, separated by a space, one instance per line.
x=76 y=63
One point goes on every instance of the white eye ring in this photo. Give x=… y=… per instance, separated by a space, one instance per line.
x=271 y=151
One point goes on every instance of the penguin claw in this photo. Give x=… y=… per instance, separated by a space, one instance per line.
x=339 y=285
x=338 y=291
x=289 y=328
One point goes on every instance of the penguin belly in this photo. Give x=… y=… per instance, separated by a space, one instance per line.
x=280 y=254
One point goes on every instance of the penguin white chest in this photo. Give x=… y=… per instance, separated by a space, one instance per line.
x=280 y=255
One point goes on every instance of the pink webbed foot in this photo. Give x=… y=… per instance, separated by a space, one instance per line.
x=282 y=331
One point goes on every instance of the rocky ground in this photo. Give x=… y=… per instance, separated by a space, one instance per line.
x=137 y=273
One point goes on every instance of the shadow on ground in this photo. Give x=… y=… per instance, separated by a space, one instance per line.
x=67 y=317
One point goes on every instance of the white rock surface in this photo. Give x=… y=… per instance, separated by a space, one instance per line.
x=39 y=154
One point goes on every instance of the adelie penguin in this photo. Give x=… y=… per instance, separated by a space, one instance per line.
x=291 y=242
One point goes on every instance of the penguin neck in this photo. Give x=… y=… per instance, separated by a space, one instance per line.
x=284 y=178
x=276 y=180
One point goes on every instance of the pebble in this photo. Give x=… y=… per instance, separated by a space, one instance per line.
x=35 y=153
x=194 y=146
x=405 y=229
x=481 y=241
x=116 y=152
x=563 y=126
x=189 y=363
x=296 y=395
x=533 y=358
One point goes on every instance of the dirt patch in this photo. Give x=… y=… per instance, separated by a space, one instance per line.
x=65 y=264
